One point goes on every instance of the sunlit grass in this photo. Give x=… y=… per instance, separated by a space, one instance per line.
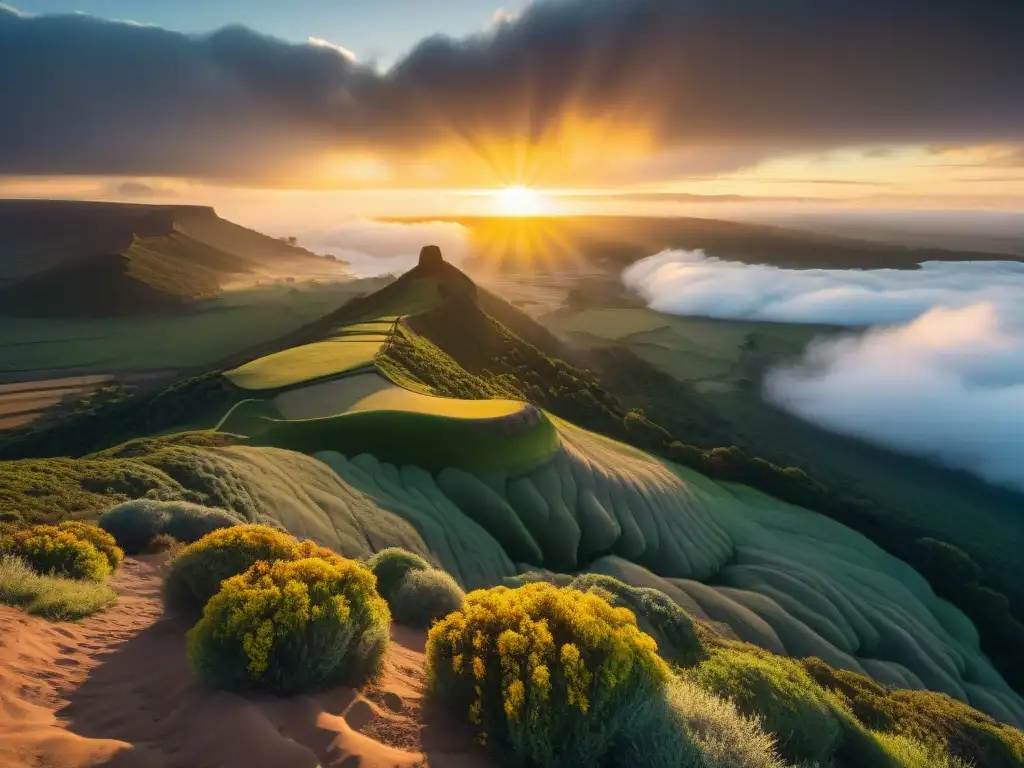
x=48 y=596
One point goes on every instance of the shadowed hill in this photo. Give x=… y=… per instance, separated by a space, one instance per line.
x=63 y=258
x=613 y=242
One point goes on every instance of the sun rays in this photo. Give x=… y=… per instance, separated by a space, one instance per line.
x=521 y=201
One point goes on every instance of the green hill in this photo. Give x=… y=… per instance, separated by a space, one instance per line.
x=472 y=437
x=77 y=259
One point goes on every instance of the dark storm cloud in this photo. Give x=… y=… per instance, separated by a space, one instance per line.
x=80 y=95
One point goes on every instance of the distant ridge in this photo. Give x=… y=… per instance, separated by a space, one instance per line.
x=73 y=258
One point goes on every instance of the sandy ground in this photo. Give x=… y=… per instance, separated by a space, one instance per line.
x=116 y=690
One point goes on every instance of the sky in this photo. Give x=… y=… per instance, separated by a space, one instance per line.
x=303 y=110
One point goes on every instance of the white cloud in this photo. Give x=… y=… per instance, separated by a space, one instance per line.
x=321 y=43
x=941 y=376
x=380 y=247
x=691 y=283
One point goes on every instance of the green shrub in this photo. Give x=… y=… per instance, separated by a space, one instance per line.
x=190 y=522
x=134 y=523
x=50 y=551
x=790 y=705
x=696 y=729
x=676 y=633
x=197 y=571
x=290 y=627
x=543 y=672
x=390 y=566
x=162 y=542
x=423 y=597
x=51 y=597
x=926 y=717
x=907 y=753
x=99 y=538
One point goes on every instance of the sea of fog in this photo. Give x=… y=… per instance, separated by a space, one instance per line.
x=939 y=373
x=374 y=248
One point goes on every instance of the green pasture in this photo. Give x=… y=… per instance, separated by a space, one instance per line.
x=307 y=362
x=687 y=348
x=373 y=392
x=202 y=335
x=422 y=439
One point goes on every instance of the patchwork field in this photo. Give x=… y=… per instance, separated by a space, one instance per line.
x=692 y=349
x=21 y=402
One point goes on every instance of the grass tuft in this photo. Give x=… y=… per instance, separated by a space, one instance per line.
x=50 y=597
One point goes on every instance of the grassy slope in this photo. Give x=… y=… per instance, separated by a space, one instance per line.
x=981 y=519
x=422 y=439
x=372 y=392
x=483 y=358
x=491 y=359
x=202 y=336
x=68 y=259
x=304 y=364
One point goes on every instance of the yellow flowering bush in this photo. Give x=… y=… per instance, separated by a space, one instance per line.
x=96 y=536
x=197 y=570
x=49 y=550
x=292 y=626
x=544 y=672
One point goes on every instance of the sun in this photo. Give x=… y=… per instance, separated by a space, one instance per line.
x=519 y=201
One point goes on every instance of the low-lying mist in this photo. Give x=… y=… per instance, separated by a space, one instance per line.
x=939 y=375
x=381 y=247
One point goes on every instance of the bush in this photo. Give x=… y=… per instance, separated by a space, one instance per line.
x=675 y=632
x=197 y=571
x=292 y=626
x=162 y=542
x=134 y=523
x=190 y=522
x=99 y=538
x=696 y=729
x=924 y=716
x=53 y=552
x=390 y=566
x=543 y=672
x=51 y=597
x=907 y=753
x=423 y=597
x=801 y=715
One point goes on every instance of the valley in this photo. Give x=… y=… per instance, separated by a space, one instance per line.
x=549 y=428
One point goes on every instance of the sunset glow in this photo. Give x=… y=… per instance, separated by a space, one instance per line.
x=520 y=201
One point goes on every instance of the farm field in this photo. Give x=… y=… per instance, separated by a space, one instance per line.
x=23 y=401
x=691 y=349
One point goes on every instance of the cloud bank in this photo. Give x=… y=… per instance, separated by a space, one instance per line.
x=940 y=375
x=735 y=78
x=374 y=248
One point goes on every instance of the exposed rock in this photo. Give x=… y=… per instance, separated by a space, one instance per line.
x=430 y=256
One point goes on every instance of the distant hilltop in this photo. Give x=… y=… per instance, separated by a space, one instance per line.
x=95 y=259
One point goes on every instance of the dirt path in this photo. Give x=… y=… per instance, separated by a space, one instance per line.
x=116 y=690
